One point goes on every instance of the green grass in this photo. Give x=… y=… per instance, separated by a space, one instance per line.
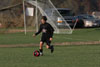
x=92 y=34
x=64 y=56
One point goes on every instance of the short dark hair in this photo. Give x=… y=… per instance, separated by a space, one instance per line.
x=44 y=18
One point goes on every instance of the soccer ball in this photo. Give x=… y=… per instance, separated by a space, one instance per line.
x=36 y=53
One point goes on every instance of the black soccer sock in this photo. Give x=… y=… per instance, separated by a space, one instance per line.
x=50 y=47
x=41 y=50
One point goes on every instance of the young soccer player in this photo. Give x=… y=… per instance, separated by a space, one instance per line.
x=47 y=34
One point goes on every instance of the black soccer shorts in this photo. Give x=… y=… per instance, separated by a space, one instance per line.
x=46 y=40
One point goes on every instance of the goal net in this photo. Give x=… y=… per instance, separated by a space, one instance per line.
x=46 y=8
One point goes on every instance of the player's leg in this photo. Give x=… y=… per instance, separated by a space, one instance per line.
x=41 y=48
x=49 y=46
x=41 y=45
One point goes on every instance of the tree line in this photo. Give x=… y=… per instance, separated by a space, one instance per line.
x=79 y=6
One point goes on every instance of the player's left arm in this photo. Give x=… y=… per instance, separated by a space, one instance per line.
x=51 y=32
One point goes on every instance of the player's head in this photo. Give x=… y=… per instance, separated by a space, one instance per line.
x=43 y=19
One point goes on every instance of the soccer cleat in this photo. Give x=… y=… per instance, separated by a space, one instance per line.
x=52 y=49
x=41 y=54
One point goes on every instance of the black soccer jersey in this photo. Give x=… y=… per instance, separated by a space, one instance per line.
x=46 y=29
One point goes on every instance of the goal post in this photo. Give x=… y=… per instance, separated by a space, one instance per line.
x=46 y=8
x=24 y=11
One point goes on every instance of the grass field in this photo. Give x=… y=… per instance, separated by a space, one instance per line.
x=64 y=56
x=92 y=34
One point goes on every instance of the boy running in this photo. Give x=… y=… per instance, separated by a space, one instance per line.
x=47 y=34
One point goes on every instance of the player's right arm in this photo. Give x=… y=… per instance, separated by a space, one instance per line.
x=39 y=31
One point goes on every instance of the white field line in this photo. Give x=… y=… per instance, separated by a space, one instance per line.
x=78 y=39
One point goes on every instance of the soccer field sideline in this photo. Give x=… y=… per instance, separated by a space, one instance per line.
x=56 y=44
